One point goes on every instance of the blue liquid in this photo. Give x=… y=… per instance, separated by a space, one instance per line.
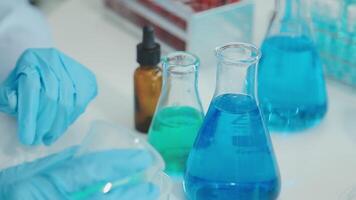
x=291 y=85
x=232 y=157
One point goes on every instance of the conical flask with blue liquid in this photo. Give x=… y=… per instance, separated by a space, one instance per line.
x=291 y=84
x=233 y=157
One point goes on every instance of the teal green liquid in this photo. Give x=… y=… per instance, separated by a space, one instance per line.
x=172 y=133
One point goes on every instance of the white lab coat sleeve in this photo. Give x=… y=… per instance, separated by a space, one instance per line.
x=22 y=26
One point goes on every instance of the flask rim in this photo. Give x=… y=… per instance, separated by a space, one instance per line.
x=251 y=53
x=189 y=59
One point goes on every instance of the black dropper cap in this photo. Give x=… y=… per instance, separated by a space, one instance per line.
x=148 y=51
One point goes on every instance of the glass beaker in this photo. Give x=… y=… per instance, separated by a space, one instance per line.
x=179 y=113
x=292 y=91
x=233 y=157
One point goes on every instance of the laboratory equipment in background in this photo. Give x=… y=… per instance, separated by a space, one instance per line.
x=179 y=113
x=192 y=25
x=291 y=84
x=233 y=157
x=334 y=23
x=147 y=80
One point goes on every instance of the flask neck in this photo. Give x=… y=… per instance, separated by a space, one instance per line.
x=237 y=69
x=178 y=82
x=289 y=19
x=289 y=9
x=180 y=77
x=236 y=79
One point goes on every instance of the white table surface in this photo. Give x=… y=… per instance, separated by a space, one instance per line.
x=317 y=164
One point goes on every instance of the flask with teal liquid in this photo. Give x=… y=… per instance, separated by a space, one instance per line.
x=179 y=113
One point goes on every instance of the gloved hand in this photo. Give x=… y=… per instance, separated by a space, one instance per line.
x=59 y=177
x=47 y=91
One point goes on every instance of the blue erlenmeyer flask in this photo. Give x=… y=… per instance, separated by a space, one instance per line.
x=233 y=157
x=292 y=91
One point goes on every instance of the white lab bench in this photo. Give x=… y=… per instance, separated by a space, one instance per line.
x=317 y=164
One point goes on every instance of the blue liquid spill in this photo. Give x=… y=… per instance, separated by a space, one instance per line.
x=232 y=157
x=291 y=85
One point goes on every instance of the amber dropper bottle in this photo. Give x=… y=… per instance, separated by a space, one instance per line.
x=147 y=80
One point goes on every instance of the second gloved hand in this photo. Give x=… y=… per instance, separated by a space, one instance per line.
x=47 y=91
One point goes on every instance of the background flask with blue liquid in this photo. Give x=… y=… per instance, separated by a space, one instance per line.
x=232 y=157
x=291 y=84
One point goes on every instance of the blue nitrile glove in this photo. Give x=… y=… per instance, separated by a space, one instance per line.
x=47 y=91
x=62 y=177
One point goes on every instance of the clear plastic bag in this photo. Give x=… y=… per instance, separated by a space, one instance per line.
x=84 y=173
x=103 y=136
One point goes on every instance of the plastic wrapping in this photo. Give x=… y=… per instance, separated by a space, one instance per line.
x=102 y=137
x=13 y=153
